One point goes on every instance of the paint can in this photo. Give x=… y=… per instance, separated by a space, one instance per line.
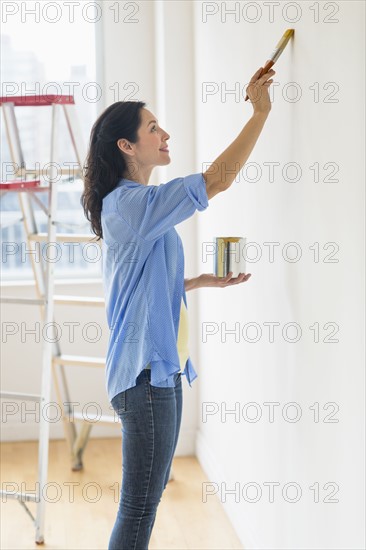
x=229 y=255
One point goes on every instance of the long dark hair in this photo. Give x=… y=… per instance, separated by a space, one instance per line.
x=105 y=165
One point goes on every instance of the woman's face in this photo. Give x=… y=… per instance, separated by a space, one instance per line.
x=149 y=149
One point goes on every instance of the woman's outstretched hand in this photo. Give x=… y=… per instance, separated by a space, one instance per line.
x=257 y=91
x=208 y=279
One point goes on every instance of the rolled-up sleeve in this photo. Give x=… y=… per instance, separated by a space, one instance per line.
x=153 y=210
x=195 y=186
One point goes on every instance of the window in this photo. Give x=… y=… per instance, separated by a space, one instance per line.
x=45 y=54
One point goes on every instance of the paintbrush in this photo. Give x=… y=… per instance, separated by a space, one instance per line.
x=276 y=53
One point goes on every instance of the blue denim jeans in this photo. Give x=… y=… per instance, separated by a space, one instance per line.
x=150 y=419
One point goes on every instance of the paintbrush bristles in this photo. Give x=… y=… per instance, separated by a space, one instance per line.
x=285 y=38
x=281 y=45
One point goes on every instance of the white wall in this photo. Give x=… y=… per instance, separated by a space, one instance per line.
x=185 y=52
x=235 y=371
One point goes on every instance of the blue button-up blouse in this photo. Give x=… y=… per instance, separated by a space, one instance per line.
x=143 y=278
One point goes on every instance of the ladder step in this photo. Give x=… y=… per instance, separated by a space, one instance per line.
x=24 y=301
x=78 y=300
x=67 y=237
x=30 y=497
x=79 y=360
x=58 y=299
x=103 y=418
x=17 y=395
x=44 y=172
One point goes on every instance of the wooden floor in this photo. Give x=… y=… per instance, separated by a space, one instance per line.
x=85 y=522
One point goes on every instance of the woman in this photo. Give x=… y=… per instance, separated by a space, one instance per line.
x=145 y=289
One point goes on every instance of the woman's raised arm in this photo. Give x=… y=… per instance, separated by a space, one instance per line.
x=222 y=172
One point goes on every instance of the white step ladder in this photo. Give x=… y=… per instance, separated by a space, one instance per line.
x=53 y=362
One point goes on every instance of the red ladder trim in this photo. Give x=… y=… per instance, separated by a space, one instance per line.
x=38 y=100
x=19 y=184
